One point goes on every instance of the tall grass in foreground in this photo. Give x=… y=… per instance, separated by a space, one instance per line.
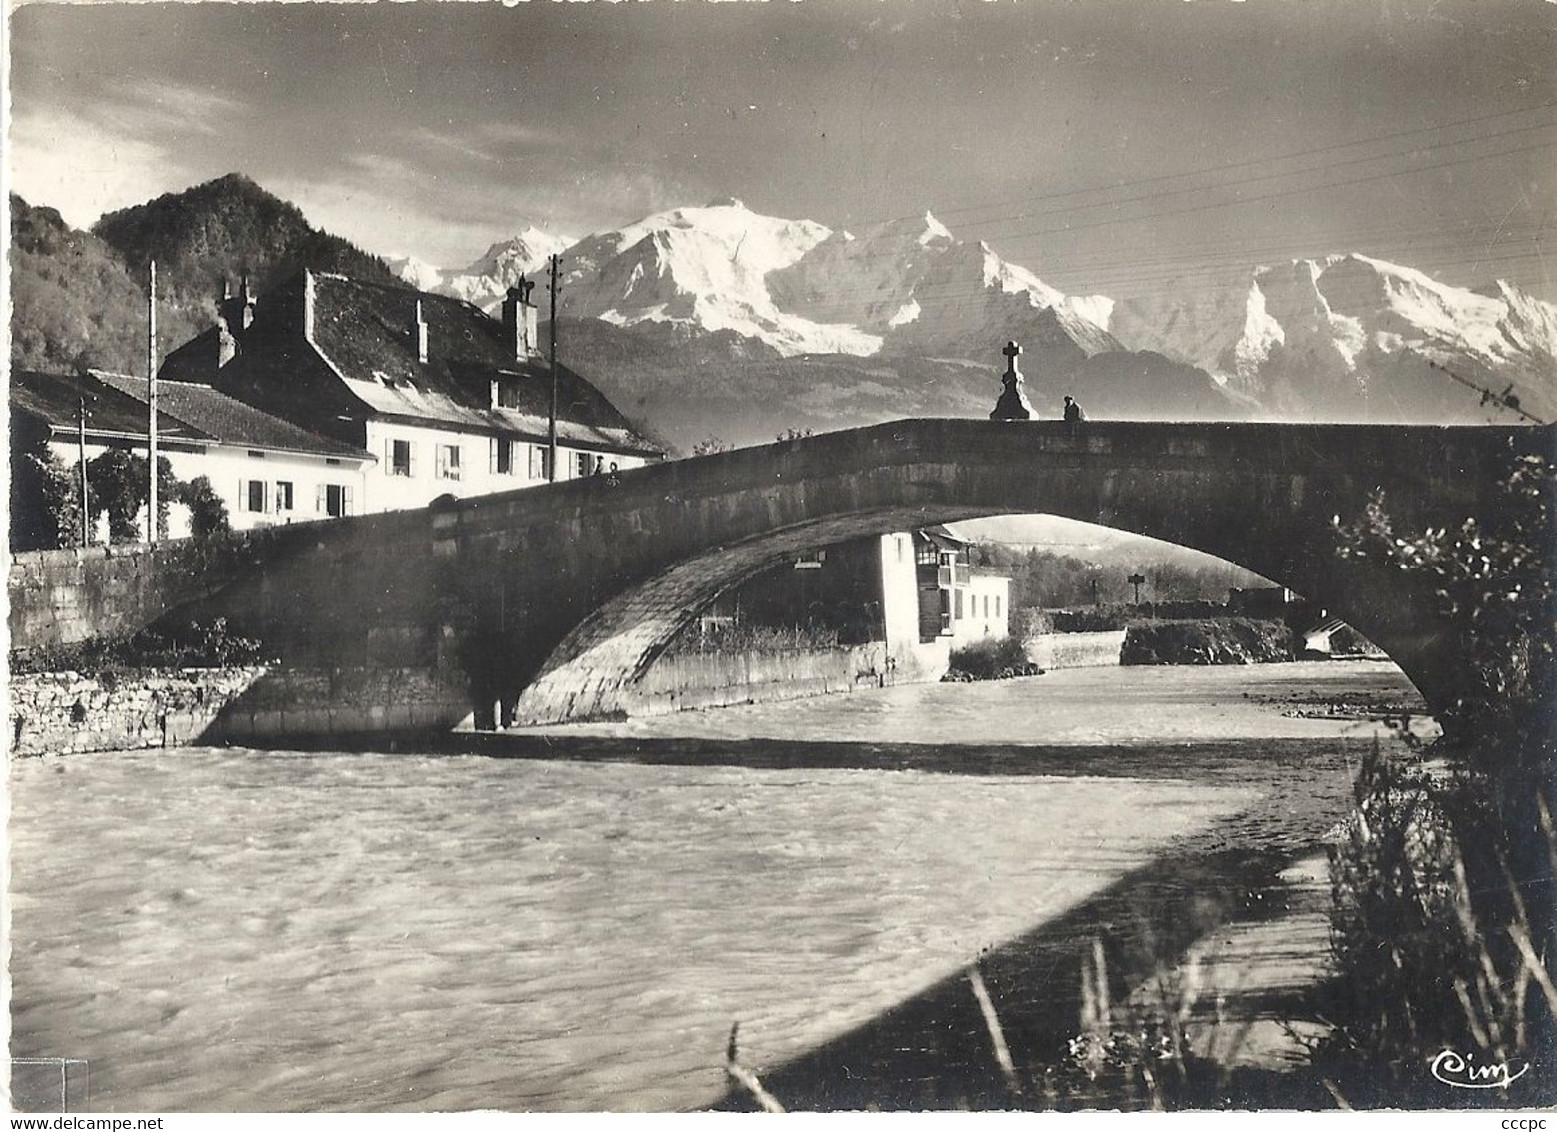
x=1443 y=954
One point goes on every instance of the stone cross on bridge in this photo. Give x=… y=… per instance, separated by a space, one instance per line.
x=1013 y=404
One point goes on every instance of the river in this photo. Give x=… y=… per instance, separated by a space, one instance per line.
x=577 y=928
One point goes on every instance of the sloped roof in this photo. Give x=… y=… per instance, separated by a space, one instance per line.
x=54 y=399
x=944 y=537
x=367 y=331
x=226 y=419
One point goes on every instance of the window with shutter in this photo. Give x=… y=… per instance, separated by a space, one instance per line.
x=401 y=458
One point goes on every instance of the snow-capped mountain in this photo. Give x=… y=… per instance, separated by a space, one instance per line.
x=725 y=289
x=706 y=269
x=487 y=280
x=417 y=272
x=1353 y=337
x=903 y=286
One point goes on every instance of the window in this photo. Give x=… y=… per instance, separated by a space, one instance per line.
x=538 y=462
x=997 y=605
x=448 y=461
x=332 y=461
x=502 y=456
x=957 y=612
x=335 y=499
x=898 y=540
x=254 y=496
x=986 y=606
x=583 y=464
x=284 y=495
x=256 y=455
x=400 y=458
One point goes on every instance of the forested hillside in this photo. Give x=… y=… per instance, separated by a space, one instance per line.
x=79 y=297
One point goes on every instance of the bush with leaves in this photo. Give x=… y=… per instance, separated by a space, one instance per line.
x=710 y=445
x=207 y=511
x=194 y=645
x=1444 y=885
x=45 y=500
x=990 y=659
x=119 y=486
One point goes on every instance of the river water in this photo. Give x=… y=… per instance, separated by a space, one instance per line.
x=577 y=927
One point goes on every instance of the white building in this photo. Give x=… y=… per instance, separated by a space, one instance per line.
x=957 y=600
x=268 y=471
x=265 y=470
x=449 y=400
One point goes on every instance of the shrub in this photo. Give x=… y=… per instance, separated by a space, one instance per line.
x=1444 y=886
x=728 y=637
x=207 y=511
x=119 y=486
x=1227 y=640
x=193 y=646
x=990 y=658
x=45 y=500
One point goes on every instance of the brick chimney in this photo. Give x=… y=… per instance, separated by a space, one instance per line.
x=234 y=315
x=421 y=333
x=521 y=336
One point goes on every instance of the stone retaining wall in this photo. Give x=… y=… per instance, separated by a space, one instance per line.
x=69 y=712
x=702 y=680
x=64 y=712
x=1075 y=650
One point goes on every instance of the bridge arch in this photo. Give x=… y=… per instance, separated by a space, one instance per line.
x=660 y=543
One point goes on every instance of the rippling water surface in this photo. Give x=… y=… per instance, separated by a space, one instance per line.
x=251 y=930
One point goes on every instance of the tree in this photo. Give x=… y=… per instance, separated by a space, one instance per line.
x=119 y=487
x=709 y=445
x=45 y=500
x=207 y=511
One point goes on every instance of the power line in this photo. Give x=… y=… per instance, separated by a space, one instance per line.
x=1277 y=195
x=1246 y=163
x=1279 y=174
x=1105 y=222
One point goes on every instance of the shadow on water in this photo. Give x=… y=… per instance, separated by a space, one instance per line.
x=934 y=1051
x=1225 y=760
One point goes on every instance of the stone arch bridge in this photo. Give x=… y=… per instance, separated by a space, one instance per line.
x=554 y=600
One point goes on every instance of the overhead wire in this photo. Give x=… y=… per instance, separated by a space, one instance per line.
x=1244 y=164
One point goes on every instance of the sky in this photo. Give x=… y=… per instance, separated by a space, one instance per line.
x=1122 y=147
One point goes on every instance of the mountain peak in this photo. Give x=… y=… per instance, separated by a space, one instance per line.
x=727 y=202
x=934 y=229
x=922 y=230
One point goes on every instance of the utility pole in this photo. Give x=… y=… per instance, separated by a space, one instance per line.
x=151 y=401
x=551 y=430
x=86 y=516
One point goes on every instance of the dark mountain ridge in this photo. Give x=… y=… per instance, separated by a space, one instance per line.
x=79 y=298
